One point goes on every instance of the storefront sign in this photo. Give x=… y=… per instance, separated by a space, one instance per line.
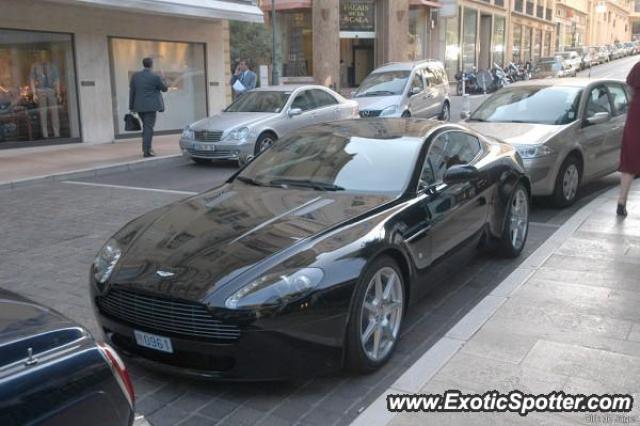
x=357 y=18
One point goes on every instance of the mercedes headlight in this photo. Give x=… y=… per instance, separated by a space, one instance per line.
x=106 y=260
x=276 y=289
x=533 y=151
x=187 y=133
x=390 y=110
x=238 y=134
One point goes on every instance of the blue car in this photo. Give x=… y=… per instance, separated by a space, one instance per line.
x=53 y=372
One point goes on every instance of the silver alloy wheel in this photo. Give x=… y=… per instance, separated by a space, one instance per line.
x=519 y=220
x=445 y=112
x=265 y=143
x=570 y=182
x=381 y=313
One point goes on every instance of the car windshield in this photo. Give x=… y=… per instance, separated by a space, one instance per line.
x=547 y=66
x=383 y=84
x=325 y=161
x=260 y=101
x=555 y=105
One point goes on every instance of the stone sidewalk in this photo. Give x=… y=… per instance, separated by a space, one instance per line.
x=24 y=165
x=567 y=319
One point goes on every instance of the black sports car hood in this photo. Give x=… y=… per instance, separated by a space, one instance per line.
x=183 y=250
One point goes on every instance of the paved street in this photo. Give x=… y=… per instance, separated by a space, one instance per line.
x=52 y=231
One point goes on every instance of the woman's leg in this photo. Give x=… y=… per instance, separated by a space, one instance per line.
x=626 y=179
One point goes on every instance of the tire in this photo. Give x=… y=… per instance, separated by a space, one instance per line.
x=374 y=317
x=264 y=141
x=406 y=114
x=200 y=160
x=445 y=114
x=516 y=225
x=567 y=182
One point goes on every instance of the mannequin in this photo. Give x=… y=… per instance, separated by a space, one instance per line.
x=45 y=86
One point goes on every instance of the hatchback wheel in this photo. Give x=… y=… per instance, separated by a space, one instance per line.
x=445 y=115
x=567 y=182
x=516 y=228
x=376 y=316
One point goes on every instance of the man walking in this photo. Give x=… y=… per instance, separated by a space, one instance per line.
x=145 y=99
x=243 y=79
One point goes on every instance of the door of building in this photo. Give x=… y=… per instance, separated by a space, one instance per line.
x=362 y=62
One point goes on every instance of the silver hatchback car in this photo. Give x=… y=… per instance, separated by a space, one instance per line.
x=567 y=131
x=258 y=118
x=405 y=89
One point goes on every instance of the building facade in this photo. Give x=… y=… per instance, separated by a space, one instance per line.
x=610 y=22
x=572 y=18
x=634 y=20
x=65 y=65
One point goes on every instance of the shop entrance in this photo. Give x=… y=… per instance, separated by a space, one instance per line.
x=356 y=60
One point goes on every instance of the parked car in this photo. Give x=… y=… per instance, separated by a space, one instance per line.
x=570 y=58
x=552 y=67
x=630 y=48
x=602 y=55
x=586 y=55
x=52 y=372
x=260 y=117
x=616 y=51
x=306 y=260
x=568 y=132
x=405 y=89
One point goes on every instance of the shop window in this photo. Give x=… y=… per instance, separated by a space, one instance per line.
x=38 y=96
x=449 y=30
x=418 y=33
x=526 y=48
x=537 y=45
x=181 y=65
x=547 y=43
x=499 y=39
x=295 y=43
x=470 y=32
x=517 y=43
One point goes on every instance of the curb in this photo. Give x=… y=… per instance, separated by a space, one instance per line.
x=427 y=366
x=94 y=171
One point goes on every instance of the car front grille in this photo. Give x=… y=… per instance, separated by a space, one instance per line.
x=207 y=135
x=165 y=315
x=218 y=153
x=370 y=113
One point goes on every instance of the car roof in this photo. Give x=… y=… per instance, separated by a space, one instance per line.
x=566 y=82
x=382 y=128
x=405 y=66
x=289 y=87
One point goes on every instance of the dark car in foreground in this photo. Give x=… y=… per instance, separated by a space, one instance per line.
x=305 y=260
x=52 y=372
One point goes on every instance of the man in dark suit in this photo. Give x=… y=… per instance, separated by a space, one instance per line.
x=145 y=99
x=245 y=77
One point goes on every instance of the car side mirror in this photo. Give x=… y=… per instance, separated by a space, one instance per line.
x=460 y=173
x=464 y=115
x=599 y=118
x=294 y=111
x=414 y=91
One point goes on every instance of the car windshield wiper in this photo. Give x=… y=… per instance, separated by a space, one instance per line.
x=249 y=181
x=308 y=183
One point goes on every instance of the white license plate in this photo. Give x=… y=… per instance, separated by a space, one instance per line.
x=204 y=146
x=153 y=341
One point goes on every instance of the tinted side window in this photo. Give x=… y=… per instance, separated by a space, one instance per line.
x=304 y=101
x=598 y=102
x=619 y=97
x=323 y=98
x=448 y=149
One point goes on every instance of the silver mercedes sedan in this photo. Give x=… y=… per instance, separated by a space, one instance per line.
x=567 y=131
x=259 y=117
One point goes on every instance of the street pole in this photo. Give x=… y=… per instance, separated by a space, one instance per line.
x=274 y=70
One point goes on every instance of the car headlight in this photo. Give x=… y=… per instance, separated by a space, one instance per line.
x=187 y=133
x=533 y=151
x=238 y=134
x=276 y=289
x=106 y=260
x=390 y=110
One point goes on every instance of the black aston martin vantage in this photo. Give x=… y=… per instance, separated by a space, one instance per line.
x=305 y=260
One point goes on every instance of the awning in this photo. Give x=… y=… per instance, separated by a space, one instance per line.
x=237 y=10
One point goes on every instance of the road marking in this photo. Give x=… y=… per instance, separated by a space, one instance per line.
x=547 y=225
x=135 y=188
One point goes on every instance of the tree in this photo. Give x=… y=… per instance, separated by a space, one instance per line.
x=250 y=41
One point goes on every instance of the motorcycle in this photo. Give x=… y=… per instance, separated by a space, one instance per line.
x=475 y=82
x=500 y=77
